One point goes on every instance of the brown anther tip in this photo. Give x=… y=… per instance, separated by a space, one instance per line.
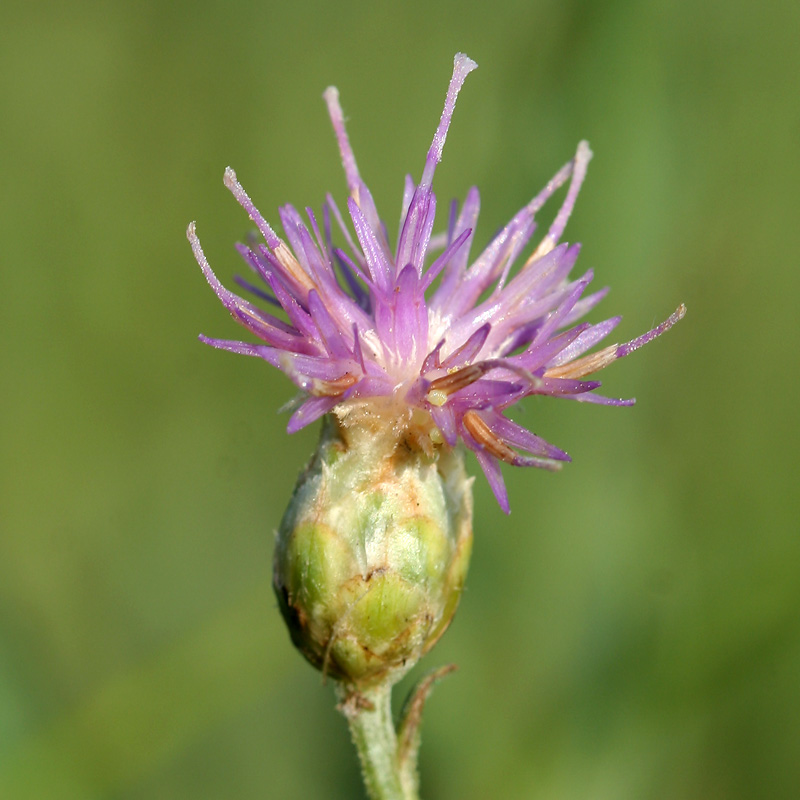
x=334 y=387
x=485 y=437
x=457 y=380
x=586 y=365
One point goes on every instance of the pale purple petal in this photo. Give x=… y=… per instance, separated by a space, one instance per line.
x=522 y=438
x=311 y=410
x=408 y=192
x=381 y=269
x=584 y=306
x=468 y=351
x=410 y=317
x=451 y=251
x=417 y=229
x=456 y=268
x=587 y=339
x=564 y=386
x=445 y=421
x=241 y=348
x=257 y=291
x=298 y=316
x=555 y=320
x=329 y=332
x=330 y=205
x=598 y=399
x=491 y=469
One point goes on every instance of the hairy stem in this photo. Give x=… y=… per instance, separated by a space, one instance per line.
x=369 y=715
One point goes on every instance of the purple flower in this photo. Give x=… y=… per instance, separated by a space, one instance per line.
x=364 y=332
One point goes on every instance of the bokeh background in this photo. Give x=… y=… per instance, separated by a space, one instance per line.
x=631 y=630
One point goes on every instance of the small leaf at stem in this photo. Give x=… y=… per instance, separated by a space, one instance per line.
x=408 y=734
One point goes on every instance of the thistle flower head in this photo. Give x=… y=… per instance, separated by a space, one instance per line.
x=418 y=338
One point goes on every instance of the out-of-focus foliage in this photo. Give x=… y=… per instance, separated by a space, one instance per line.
x=630 y=631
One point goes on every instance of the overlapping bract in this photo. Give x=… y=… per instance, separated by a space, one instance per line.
x=363 y=323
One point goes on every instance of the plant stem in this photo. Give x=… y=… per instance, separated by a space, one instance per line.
x=369 y=715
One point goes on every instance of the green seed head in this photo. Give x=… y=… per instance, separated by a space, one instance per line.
x=372 y=552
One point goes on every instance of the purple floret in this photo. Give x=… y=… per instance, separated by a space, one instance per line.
x=361 y=323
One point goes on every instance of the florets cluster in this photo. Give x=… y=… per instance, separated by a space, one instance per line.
x=418 y=337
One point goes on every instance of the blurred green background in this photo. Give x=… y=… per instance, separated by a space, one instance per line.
x=632 y=630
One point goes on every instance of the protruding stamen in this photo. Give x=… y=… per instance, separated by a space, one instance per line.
x=331 y=96
x=627 y=348
x=200 y=257
x=462 y=66
x=585 y=365
x=293 y=267
x=602 y=358
x=580 y=163
x=553 y=185
x=271 y=238
x=261 y=323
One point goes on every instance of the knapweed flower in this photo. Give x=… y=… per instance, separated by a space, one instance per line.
x=411 y=349
x=368 y=335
